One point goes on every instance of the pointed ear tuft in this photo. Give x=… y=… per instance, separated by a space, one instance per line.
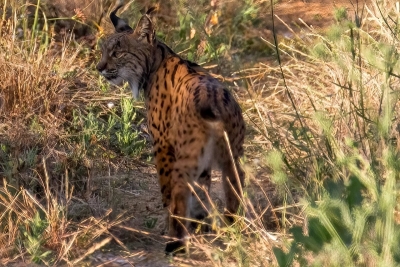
x=119 y=24
x=145 y=28
x=151 y=10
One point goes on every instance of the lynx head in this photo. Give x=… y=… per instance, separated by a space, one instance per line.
x=127 y=54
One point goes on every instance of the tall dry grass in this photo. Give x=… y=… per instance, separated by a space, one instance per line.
x=327 y=117
x=43 y=83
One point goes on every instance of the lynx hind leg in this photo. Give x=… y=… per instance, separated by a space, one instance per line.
x=200 y=205
x=232 y=187
x=184 y=205
x=191 y=175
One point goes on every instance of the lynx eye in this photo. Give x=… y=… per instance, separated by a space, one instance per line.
x=116 y=54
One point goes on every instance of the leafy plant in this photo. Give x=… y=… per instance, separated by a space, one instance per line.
x=86 y=130
x=150 y=222
x=116 y=130
x=349 y=226
x=128 y=140
x=34 y=238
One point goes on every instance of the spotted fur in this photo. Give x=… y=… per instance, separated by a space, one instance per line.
x=187 y=112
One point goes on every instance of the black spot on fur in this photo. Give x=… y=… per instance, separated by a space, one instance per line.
x=163 y=188
x=155 y=126
x=173 y=74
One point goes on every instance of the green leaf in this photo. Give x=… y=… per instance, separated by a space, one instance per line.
x=282 y=258
x=354 y=192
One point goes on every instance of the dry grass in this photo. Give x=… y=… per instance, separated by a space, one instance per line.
x=35 y=226
x=42 y=84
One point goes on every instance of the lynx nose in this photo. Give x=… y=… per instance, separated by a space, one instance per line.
x=101 y=66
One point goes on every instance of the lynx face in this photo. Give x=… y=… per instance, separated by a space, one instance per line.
x=125 y=59
x=188 y=112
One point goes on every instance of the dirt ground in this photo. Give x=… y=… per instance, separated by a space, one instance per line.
x=137 y=193
x=317 y=14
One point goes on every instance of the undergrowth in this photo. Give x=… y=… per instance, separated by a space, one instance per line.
x=341 y=145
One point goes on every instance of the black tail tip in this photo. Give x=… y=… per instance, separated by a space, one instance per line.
x=207 y=113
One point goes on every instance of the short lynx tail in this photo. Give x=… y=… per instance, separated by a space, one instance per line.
x=208 y=108
x=214 y=105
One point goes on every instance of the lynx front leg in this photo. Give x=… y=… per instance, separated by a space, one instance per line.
x=165 y=159
x=178 y=210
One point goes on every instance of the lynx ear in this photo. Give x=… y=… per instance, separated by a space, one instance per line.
x=119 y=24
x=151 y=10
x=145 y=28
